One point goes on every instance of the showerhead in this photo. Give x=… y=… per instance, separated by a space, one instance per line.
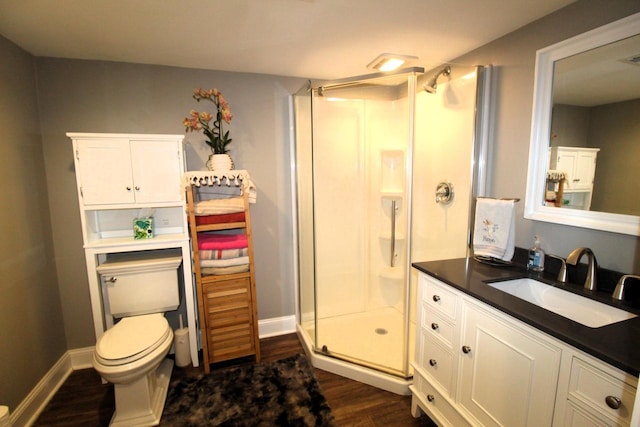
x=432 y=86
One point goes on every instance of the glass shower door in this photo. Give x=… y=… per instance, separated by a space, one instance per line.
x=361 y=158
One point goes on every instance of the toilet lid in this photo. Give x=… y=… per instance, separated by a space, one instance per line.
x=137 y=335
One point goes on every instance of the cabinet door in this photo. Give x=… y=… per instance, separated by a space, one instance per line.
x=105 y=172
x=566 y=161
x=156 y=171
x=508 y=376
x=584 y=170
x=229 y=319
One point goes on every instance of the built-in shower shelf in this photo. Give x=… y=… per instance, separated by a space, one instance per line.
x=387 y=236
x=395 y=273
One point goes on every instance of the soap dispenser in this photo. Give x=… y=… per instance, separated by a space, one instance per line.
x=536 y=257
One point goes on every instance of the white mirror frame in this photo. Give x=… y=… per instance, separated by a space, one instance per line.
x=541 y=126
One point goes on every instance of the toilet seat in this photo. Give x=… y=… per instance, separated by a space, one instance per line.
x=132 y=339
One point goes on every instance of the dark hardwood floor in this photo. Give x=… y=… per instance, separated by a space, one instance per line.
x=84 y=401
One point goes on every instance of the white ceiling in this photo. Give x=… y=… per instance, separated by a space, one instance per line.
x=304 y=38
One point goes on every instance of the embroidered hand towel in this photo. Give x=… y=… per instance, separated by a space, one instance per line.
x=494 y=229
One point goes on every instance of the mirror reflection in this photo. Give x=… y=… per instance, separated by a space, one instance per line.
x=594 y=143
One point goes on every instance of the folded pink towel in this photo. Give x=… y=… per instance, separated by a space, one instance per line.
x=223 y=253
x=221 y=241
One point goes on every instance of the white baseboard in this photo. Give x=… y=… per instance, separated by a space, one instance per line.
x=81 y=358
x=27 y=412
x=276 y=326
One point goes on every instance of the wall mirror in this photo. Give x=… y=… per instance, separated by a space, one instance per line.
x=584 y=157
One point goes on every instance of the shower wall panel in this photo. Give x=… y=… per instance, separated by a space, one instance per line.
x=445 y=129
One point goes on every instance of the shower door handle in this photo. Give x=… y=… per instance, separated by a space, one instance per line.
x=392 y=262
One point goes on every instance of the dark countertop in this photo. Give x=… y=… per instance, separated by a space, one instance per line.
x=617 y=344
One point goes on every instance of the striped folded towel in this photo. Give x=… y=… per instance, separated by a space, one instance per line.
x=219 y=206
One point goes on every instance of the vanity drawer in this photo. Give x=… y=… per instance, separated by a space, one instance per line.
x=435 y=405
x=438 y=297
x=437 y=325
x=436 y=360
x=590 y=387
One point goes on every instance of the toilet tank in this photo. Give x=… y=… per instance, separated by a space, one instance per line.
x=140 y=283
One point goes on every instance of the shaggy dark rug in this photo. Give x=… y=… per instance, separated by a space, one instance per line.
x=281 y=393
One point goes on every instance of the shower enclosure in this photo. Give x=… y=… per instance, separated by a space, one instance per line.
x=370 y=153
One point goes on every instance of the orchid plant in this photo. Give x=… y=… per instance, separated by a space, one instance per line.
x=211 y=126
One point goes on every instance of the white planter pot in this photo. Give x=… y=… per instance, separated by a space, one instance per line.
x=219 y=162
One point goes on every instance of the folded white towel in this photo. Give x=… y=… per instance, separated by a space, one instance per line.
x=224 y=262
x=494 y=229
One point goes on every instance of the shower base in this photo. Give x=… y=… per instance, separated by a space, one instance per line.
x=374 y=339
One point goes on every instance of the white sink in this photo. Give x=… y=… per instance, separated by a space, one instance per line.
x=572 y=306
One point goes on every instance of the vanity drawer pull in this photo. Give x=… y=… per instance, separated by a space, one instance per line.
x=436 y=298
x=466 y=349
x=112 y=279
x=431 y=397
x=433 y=362
x=434 y=326
x=613 y=402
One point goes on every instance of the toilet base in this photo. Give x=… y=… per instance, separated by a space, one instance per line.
x=141 y=403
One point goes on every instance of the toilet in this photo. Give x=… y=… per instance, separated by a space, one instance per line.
x=138 y=289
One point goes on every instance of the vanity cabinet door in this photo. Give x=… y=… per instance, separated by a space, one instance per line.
x=508 y=374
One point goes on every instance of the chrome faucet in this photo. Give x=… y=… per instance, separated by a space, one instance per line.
x=618 y=293
x=592 y=267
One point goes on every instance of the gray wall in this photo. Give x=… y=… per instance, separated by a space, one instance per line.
x=615 y=129
x=93 y=96
x=32 y=332
x=113 y=97
x=514 y=58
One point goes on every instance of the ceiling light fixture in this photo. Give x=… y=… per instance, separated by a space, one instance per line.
x=389 y=61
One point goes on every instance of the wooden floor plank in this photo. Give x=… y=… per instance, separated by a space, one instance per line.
x=84 y=401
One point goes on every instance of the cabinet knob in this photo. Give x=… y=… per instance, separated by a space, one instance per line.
x=434 y=326
x=613 y=402
x=433 y=362
x=137 y=188
x=436 y=298
x=466 y=349
x=431 y=397
x=112 y=279
x=128 y=188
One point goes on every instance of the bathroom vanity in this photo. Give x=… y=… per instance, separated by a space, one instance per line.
x=485 y=357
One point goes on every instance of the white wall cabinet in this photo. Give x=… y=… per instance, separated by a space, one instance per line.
x=125 y=176
x=127 y=170
x=580 y=165
x=476 y=366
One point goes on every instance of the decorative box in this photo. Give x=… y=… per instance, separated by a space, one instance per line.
x=143 y=228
